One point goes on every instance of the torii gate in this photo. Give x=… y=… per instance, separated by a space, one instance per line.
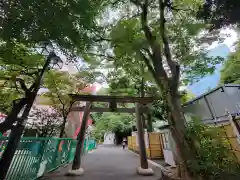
x=141 y=106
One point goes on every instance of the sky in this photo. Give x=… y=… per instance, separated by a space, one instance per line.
x=216 y=49
x=229 y=41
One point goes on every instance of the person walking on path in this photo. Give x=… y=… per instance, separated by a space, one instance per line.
x=124 y=143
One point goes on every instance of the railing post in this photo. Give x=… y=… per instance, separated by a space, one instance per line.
x=41 y=153
x=55 y=157
x=70 y=150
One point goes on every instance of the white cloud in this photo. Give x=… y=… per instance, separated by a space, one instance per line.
x=229 y=40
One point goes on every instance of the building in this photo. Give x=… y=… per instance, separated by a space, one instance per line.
x=218 y=107
x=75 y=118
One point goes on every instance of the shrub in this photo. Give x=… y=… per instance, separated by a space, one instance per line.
x=215 y=160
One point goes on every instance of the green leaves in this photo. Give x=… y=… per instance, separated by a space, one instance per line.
x=19 y=67
x=60 y=85
x=7 y=95
x=187 y=39
x=127 y=37
x=113 y=122
x=215 y=159
x=230 y=71
x=220 y=13
x=68 y=24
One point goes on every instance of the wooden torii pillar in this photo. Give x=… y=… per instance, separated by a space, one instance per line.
x=76 y=169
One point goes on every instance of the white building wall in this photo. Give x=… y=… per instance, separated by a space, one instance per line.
x=109 y=138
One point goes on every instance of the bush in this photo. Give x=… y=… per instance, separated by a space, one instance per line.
x=215 y=160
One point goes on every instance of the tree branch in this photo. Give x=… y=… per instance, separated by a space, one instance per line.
x=137 y=3
x=19 y=80
x=102 y=55
x=174 y=67
x=22 y=84
x=4 y=84
x=145 y=27
x=150 y=68
x=148 y=52
x=32 y=86
x=59 y=98
x=155 y=46
x=164 y=37
x=170 y=6
x=11 y=118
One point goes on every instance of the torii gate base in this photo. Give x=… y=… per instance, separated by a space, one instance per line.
x=112 y=100
x=76 y=166
x=143 y=169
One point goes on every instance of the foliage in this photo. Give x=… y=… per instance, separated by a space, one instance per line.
x=7 y=95
x=18 y=70
x=186 y=96
x=113 y=122
x=68 y=24
x=89 y=74
x=121 y=84
x=60 y=84
x=45 y=120
x=220 y=13
x=214 y=159
x=128 y=41
x=230 y=71
x=160 y=108
x=167 y=39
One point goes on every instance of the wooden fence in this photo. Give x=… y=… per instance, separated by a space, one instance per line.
x=154 y=149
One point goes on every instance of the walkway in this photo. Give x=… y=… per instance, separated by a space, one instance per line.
x=107 y=163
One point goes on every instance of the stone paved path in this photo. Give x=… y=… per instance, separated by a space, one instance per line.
x=107 y=163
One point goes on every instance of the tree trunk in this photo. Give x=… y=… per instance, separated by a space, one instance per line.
x=12 y=116
x=9 y=152
x=62 y=127
x=177 y=125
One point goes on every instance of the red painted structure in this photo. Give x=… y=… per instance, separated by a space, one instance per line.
x=77 y=118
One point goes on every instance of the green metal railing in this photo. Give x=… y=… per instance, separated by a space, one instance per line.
x=91 y=145
x=35 y=156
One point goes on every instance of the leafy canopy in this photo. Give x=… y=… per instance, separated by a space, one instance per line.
x=112 y=122
x=19 y=67
x=128 y=41
x=60 y=84
x=220 y=13
x=230 y=71
x=67 y=23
